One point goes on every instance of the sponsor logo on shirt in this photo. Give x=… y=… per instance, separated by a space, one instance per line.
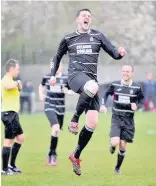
x=124 y=99
x=119 y=89
x=84 y=49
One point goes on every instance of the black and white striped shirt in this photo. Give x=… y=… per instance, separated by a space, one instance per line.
x=123 y=97
x=55 y=97
x=83 y=50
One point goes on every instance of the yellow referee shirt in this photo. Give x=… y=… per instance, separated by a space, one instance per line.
x=10 y=98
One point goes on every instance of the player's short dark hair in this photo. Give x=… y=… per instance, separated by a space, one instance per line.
x=84 y=9
x=10 y=63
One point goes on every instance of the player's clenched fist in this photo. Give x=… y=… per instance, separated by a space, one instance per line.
x=52 y=81
x=103 y=109
x=42 y=97
x=122 y=51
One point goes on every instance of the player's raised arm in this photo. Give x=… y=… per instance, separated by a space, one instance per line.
x=116 y=53
x=62 y=49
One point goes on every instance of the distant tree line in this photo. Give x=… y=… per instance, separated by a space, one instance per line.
x=31 y=31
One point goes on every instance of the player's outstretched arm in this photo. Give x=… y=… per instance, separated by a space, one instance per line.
x=116 y=53
x=62 y=49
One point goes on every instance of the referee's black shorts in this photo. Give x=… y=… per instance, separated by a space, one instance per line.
x=122 y=127
x=12 y=125
x=77 y=84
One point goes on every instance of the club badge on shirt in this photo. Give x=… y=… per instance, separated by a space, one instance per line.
x=91 y=39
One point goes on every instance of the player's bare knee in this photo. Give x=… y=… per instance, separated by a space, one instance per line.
x=91 y=88
x=92 y=119
x=115 y=141
x=122 y=145
x=55 y=130
x=8 y=142
x=20 y=138
x=92 y=125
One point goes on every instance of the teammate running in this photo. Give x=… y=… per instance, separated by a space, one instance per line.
x=54 y=108
x=128 y=97
x=83 y=47
x=9 y=116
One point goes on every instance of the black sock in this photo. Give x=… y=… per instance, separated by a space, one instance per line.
x=15 y=149
x=120 y=159
x=53 y=145
x=5 y=157
x=84 y=137
x=113 y=148
x=82 y=104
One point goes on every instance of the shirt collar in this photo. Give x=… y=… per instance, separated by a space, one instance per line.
x=83 y=33
x=123 y=83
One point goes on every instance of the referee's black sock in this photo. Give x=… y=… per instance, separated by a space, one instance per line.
x=82 y=104
x=53 y=145
x=84 y=137
x=15 y=149
x=5 y=157
x=120 y=159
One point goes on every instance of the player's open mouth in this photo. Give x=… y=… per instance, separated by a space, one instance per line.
x=86 y=23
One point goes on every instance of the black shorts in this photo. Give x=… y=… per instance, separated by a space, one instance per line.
x=77 y=84
x=55 y=118
x=12 y=125
x=122 y=127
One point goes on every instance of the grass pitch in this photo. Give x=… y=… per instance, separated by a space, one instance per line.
x=139 y=167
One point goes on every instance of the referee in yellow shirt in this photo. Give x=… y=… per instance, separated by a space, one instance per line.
x=9 y=116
